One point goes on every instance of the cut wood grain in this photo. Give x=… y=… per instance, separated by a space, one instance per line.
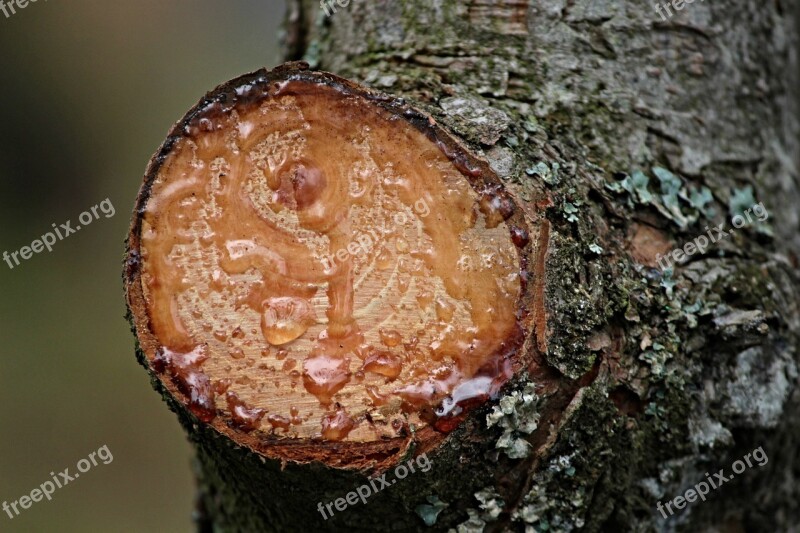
x=311 y=261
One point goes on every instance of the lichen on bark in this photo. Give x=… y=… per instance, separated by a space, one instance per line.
x=633 y=133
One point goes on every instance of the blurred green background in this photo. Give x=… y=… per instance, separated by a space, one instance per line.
x=88 y=90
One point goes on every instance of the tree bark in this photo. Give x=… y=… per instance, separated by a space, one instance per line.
x=623 y=135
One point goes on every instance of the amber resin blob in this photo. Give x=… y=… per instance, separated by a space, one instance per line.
x=311 y=260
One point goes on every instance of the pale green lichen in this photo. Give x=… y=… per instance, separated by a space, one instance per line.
x=668 y=282
x=636 y=184
x=657 y=359
x=548 y=174
x=701 y=199
x=430 y=512
x=517 y=415
x=491 y=503
x=570 y=210
x=474 y=524
x=682 y=205
x=491 y=506
x=741 y=199
x=670 y=189
x=541 y=511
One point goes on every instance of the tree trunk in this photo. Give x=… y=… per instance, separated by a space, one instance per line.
x=622 y=135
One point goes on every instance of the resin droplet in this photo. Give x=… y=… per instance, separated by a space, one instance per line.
x=198 y=388
x=384 y=363
x=279 y=422
x=243 y=416
x=390 y=338
x=336 y=426
x=184 y=369
x=401 y=245
x=376 y=397
x=496 y=207
x=324 y=376
x=520 y=237
x=384 y=260
x=222 y=386
x=285 y=319
x=308 y=184
x=419 y=394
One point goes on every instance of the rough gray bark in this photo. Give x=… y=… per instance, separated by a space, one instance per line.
x=605 y=89
x=648 y=379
